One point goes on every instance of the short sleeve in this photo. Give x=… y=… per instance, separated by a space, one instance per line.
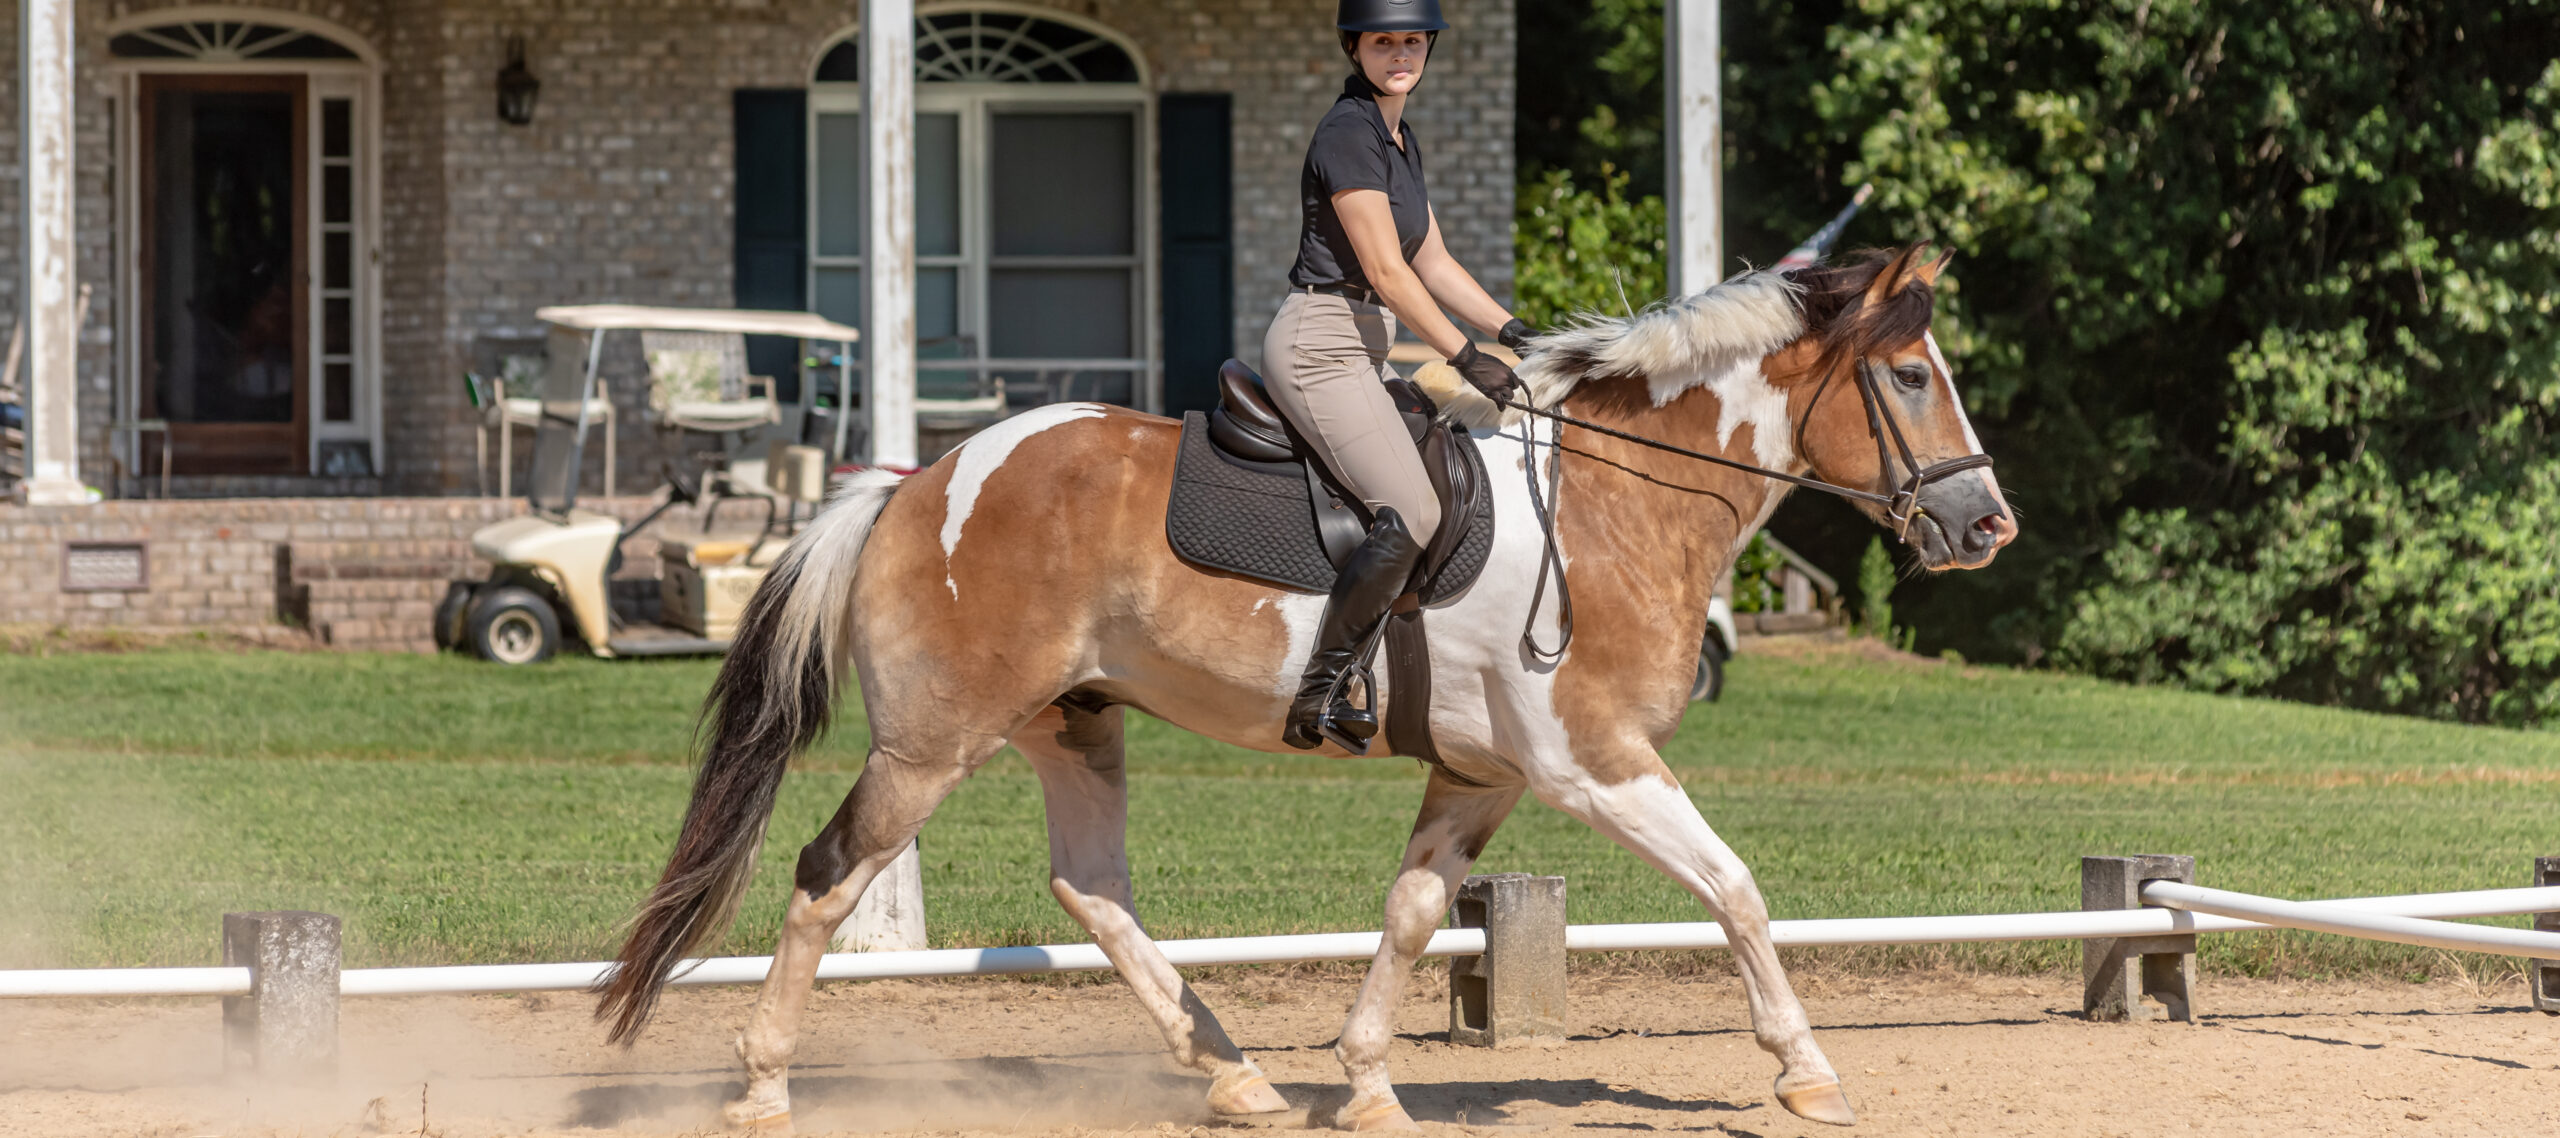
x=1346 y=158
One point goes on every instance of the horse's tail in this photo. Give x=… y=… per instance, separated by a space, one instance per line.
x=775 y=695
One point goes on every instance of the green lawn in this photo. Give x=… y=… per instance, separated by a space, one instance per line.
x=456 y=812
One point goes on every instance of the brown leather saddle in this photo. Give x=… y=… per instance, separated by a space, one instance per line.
x=1246 y=430
x=1250 y=499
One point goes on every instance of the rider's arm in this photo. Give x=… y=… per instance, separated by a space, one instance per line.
x=1371 y=225
x=1451 y=284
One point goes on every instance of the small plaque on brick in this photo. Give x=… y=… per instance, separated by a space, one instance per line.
x=102 y=567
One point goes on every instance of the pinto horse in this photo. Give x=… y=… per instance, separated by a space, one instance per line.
x=1021 y=591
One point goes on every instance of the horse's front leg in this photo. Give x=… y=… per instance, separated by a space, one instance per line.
x=1455 y=823
x=1639 y=805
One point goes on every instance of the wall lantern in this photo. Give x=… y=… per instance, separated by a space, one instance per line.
x=517 y=88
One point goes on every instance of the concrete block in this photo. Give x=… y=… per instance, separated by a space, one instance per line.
x=890 y=915
x=2116 y=974
x=1516 y=990
x=2545 y=974
x=287 y=1026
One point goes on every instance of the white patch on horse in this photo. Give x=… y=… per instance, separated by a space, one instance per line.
x=1947 y=374
x=1743 y=395
x=1299 y=615
x=979 y=458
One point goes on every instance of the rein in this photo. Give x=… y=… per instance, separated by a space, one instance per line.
x=1902 y=507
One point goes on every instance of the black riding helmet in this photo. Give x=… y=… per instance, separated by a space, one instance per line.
x=1357 y=16
x=1389 y=16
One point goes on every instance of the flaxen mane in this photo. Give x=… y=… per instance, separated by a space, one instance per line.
x=1682 y=343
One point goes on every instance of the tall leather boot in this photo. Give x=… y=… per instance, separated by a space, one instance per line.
x=1369 y=583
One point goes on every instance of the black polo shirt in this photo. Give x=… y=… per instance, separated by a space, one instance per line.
x=1352 y=151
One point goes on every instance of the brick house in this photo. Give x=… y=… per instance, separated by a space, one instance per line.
x=1106 y=185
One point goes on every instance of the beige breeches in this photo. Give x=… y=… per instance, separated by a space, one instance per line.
x=1323 y=361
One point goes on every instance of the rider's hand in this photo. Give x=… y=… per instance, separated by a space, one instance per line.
x=1489 y=375
x=1516 y=334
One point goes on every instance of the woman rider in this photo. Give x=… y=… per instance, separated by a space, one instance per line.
x=1370 y=254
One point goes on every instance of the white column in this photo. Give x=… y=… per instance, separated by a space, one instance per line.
x=1693 y=133
x=48 y=290
x=889 y=248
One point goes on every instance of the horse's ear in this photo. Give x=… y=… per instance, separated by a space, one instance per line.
x=1927 y=273
x=1897 y=275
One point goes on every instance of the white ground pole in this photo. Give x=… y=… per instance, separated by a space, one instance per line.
x=890 y=915
x=1314 y=946
x=889 y=251
x=2347 y=921
x=45 y=220
x=1693 y=135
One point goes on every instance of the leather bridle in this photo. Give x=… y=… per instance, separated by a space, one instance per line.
x=1901 y=507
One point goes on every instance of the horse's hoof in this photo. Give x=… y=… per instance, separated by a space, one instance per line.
x=1251 y=1094
x=1384 y=1116
x=750 y=1117
x=1820 y=1102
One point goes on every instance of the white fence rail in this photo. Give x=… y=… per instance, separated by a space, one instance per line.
x=2408 y=919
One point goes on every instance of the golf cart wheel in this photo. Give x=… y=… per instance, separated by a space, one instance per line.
x=1709 y=682
x=513 y=625
x=449 y=614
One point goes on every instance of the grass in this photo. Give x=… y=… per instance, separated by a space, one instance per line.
x=454 y=812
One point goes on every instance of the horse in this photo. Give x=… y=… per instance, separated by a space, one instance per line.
x=1022 y=591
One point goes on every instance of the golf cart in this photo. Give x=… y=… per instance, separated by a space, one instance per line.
x=552 y=569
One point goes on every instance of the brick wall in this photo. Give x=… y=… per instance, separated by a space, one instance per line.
x=219 y=565
x=621 y=188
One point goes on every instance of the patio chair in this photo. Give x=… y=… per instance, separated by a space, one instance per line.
x=698 y=382
x=955 y=399
x=504 y=364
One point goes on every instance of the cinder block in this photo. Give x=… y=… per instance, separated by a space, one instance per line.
x=2545 y=974
x=287 y=1026
x=2116 y=974
x=1516 y=990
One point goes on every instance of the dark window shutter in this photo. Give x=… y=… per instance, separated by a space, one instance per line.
x=773 y=221
x=1195 y=182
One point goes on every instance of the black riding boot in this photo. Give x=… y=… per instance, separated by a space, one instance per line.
x=1369 y=583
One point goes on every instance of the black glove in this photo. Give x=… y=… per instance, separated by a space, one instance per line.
x=1516 y=335
x=1487 y=374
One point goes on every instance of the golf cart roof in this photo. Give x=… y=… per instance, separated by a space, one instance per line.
x=754 y=322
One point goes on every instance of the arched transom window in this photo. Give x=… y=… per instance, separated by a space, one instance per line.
x=1031 y=262
x=225 y=41
x=997 y=47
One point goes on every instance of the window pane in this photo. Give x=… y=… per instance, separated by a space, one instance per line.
x=337 y=128
x=337 y=326
x=1059 y=313
x=337 y=261
x=337 y=194
x=1061 y=185
x=937 y=303
x=840 y=297
x=338 y=392
x=839 y=185
x=938 y=185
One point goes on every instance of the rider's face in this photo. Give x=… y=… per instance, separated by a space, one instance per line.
x=1393 y=60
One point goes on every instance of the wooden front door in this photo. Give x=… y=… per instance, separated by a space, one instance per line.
x=225 y=320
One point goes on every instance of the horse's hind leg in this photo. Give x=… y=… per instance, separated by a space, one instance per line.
x=1455 y=823
x=1078 y=754
x=1653 y=818
x=889 y=804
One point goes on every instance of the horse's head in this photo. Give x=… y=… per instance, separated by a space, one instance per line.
x=1877 y=409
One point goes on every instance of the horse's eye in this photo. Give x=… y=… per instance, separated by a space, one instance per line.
x=1911 y=376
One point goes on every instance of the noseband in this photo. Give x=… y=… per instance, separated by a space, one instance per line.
x=1903 y=508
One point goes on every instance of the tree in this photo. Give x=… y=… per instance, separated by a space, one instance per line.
x=2254 y=304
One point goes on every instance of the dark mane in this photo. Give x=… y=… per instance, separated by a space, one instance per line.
x=1833 y=298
